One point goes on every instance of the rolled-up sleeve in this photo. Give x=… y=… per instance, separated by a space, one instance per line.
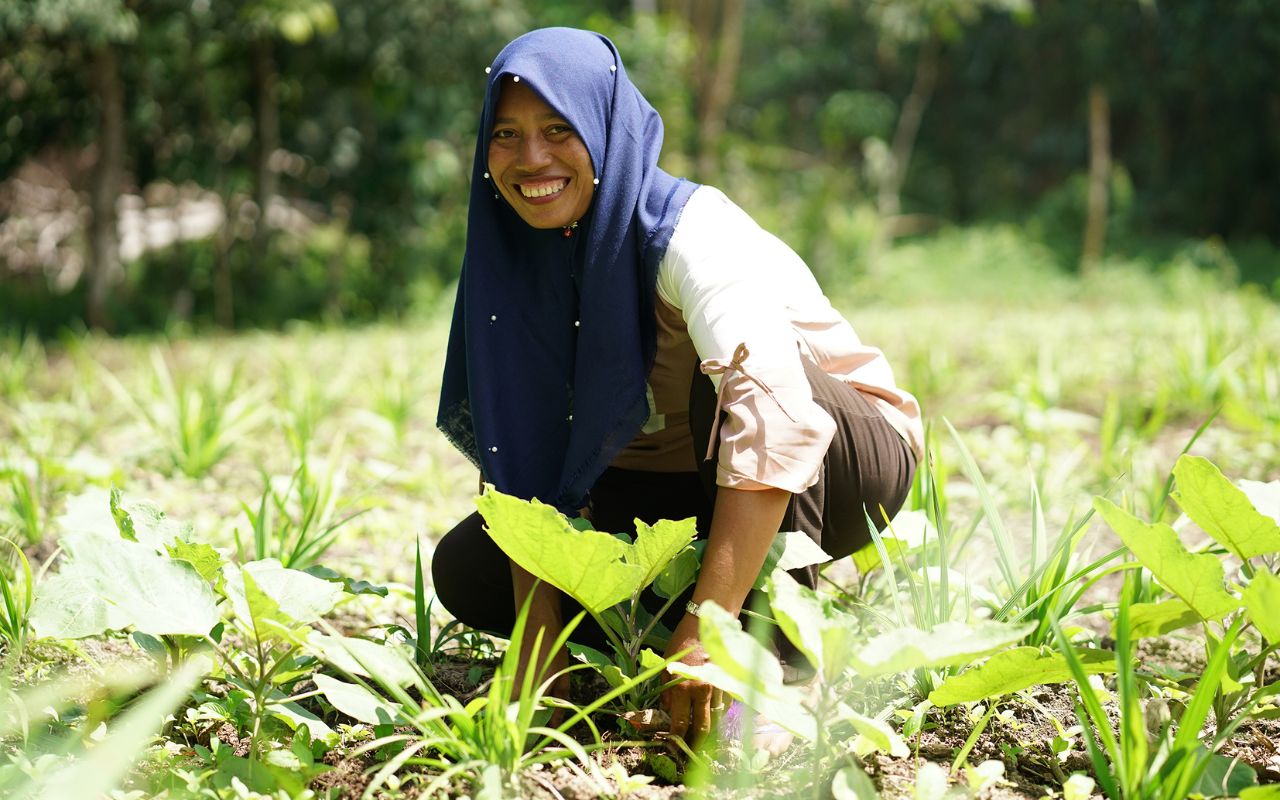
x=773 y=435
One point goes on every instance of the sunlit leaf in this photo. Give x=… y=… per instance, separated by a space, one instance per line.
x=203 y=558
x=1196 y=578
x=1222 y=510
x=950 y=643
x=1262 y=599
x=276 y=602
x=874 y=735
x=1157 y=619
x=657 y=544
x=389 y=664
x=1014 y=669
x=117 y=583
x=813 y=624
x=589 y=566
x=356 y=701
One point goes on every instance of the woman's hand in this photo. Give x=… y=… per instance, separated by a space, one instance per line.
x=742 y=529
x=694 y=707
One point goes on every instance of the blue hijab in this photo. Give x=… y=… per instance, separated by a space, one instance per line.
x=553 y=337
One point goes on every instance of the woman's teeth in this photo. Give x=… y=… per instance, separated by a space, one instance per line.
x=542 y=189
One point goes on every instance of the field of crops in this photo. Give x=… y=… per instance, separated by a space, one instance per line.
x=213 y=589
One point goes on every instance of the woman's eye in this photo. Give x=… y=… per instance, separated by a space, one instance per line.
x=504 y=133
x=559 y=128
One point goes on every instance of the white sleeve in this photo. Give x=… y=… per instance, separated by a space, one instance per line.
x=727 y=277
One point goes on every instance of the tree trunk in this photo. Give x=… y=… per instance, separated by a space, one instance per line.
x=1095 y=226
x=719 y=87
x=266 y=121
x=889 y=195
x=104 y=234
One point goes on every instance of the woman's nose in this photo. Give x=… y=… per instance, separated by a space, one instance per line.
x=534 y=153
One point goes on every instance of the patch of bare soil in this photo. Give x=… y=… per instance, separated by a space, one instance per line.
x=1258 y=745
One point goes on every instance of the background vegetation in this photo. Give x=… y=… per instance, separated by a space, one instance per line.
x=248 y=163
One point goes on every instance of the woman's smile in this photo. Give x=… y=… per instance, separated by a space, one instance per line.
x=539 y=163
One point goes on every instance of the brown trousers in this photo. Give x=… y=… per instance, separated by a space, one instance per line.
x=868 y=465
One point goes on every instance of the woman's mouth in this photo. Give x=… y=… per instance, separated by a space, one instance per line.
x=543 y=189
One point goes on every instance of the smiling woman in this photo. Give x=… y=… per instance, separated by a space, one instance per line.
x=540 y=165
x=630 y=345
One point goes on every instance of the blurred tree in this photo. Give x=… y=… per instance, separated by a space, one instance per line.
x=924 y=24
x=89 y=33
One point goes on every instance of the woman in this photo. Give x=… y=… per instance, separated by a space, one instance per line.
x=633 y=344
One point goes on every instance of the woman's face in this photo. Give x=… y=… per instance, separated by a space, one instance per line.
x=540 y=165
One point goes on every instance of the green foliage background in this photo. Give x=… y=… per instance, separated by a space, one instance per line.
x=377 y=99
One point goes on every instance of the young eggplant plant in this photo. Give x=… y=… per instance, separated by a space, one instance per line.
x=607 y=574
x=488 y=740
x=1138 y=763
x=604 y=573
x=1235 y=519
x=177 y=597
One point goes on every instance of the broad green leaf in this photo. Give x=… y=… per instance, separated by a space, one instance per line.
x=356 y=701
x=144 y=522
x=297 y=717
x=789 y=550
x=386 y=663
x=1262 y=599
x=656 y=545
x=873 y=735
x=813 y=624
x=1224 y=777
x=1268 y=792
x=1196 y=578
x=203 y=558
x=649 y=659
x=69 y=606
x=1222 y=510
x=143 y=590
x=799 y=551
x=742 y=667
x=88 y=512
x=589 y=566
x=680 y=573
x=1014 y=669
x=276 y=602
x=950 y=643
x=1157 y=619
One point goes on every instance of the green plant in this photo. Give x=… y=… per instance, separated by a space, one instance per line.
x=17 y=593
x=1230 y=516
x=1050 y=581
x=87 y=761
x=176 y=597
x=196 y=422
x=26 y=506
x=298 y=525
x=488 y=740
x=604 y=573
x=1127 y=765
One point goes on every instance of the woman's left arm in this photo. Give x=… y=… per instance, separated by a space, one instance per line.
x=743 y=527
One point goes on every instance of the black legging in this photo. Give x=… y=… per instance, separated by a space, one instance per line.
x=868 y=465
